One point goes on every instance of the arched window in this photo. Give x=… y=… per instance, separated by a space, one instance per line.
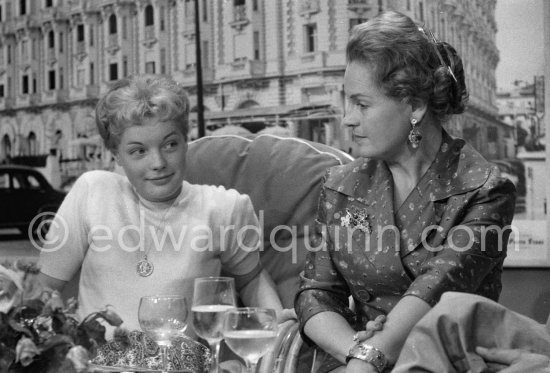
x=31 y=144
x=112 y=24
x=51 y=39
x=149 y=15
x=6 y=147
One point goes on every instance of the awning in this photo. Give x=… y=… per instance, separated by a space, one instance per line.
x=271 y=114
x=94 y=140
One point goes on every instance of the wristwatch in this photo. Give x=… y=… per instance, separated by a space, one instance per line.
x=368 y=354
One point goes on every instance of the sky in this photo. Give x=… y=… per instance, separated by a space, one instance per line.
x=519 y=40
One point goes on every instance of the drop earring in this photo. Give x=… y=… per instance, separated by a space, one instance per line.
x=414 y=135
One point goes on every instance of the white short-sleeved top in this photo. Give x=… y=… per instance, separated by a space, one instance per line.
x=102 y=220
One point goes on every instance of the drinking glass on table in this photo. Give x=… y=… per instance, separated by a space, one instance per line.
x=163 y=318
x=250 y=333
x=212 y=296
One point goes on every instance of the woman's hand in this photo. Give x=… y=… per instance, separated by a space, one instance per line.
x=514 y=360
x=360 y=366
x=370 y=328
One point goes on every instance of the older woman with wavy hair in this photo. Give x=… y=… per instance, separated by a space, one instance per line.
x=419 y=213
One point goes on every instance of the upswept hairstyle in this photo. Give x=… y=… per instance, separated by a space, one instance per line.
x=406 y=63
x=132 y=100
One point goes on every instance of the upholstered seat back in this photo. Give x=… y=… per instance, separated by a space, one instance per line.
x=282 y=176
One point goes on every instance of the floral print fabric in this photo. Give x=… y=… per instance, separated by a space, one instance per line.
x=447 y=235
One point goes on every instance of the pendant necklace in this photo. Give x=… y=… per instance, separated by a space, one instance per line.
x=145 y=267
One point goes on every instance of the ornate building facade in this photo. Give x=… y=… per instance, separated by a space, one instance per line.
x=264 y=63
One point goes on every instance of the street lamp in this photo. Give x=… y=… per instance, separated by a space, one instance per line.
x=198 y=68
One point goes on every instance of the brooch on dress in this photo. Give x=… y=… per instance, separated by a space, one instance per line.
x=356 y=219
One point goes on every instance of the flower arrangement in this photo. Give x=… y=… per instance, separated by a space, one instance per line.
x=38 y=331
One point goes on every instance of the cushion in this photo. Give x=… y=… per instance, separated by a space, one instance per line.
x=282 y=176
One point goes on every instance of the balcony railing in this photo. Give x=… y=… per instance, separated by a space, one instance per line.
x=239 y=17
x=10 y=103
x=35 y=99
x=149 y=32
x=257 y=68
x=113 y=40
x=359 y=5
x=80 y=47
x=62 y=95
x=309 y=6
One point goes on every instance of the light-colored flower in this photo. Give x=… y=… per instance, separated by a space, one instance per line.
x=11 y=289
x=55 y=301
x=79 y=356
x=25 y=351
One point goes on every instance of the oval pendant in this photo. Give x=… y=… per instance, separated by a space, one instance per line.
x=144 y=268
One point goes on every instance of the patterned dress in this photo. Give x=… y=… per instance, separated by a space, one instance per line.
x=447 y=236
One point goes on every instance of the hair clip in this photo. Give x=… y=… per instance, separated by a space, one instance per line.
x=430 y=35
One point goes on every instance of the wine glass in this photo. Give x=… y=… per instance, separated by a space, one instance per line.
x=250 y=333
x=212 y=296
x=163 y=317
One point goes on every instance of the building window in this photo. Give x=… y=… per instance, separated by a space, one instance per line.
x=51 y=80
x=80 y=78
x=310 y=33
x=163 y=61
x=113 y=71
x=408 y=4
x=149 y=15
x=24 y=50
x=0 y=13
x=355 y=21
x=32 y=149
x=124 y=66
x=1 y=90
x=25 y=84
x=124 y=28
x=492 y=134
x=149 y=67
x=255 y=5
x=112 y=24
x=161 y=17
x=256 y=43
x=205 y=10
x=51 y=40
x=80 y=33
x=9 y=54
x=60 y=42
x=61 y=78
x=421 y=11
x=205 y=54
x=49 y=3
x=239 y=2
x=92 y=78
x=22 y=7
x=91 y=36
x=34 y=85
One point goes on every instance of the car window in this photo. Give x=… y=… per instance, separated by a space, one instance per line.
x=32 y=182
x=16 y=181
x=4 y=181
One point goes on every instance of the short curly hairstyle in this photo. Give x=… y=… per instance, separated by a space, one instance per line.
x=132 y=100
x=407 y=64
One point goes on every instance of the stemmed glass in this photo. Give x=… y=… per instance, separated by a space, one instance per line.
x=163 y=318
x=212 y=296
x=250 y=333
